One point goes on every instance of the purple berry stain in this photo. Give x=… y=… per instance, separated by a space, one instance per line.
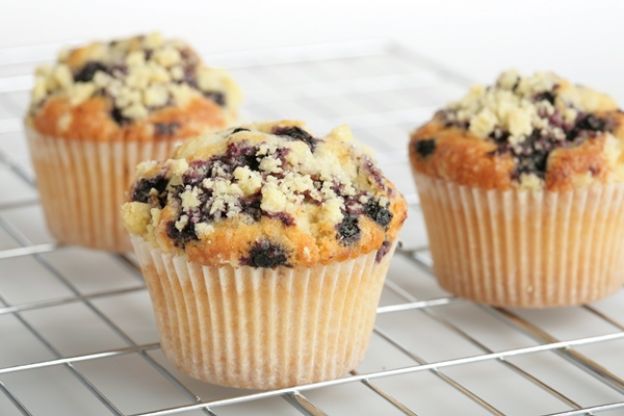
x=383 y=250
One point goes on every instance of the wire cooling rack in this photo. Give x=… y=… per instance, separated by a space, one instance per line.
x=76 y=329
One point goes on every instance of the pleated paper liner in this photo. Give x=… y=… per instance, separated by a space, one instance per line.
x=83 y=183
x=263 y=328
x=525 y=248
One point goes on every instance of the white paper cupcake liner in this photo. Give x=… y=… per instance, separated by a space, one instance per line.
x=83 y=183
x=525 y=248
x=263 y=328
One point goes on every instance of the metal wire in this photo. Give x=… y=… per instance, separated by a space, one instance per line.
x=311 y=96
x=532 y=330
x=103 y=399
x=18 y=405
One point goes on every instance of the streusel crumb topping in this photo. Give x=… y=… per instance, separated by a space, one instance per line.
x=140 y=75
x=274 y=174
x=528 y=118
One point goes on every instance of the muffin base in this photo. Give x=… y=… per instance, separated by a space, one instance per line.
x=263 y=328
x=83 y=183
x=529 y=249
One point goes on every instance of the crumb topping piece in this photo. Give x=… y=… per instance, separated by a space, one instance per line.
x=266 y=172
x=528 y=117
x=139 y=75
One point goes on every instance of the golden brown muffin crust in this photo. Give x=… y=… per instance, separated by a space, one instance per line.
x=141 y=88
x=91 y=120
x=536 y=132
x=459 y=156
x=266 y=195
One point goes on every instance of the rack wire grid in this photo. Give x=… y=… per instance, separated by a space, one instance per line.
x=76 y=330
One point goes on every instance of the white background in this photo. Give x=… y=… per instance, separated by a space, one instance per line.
x=579 y=39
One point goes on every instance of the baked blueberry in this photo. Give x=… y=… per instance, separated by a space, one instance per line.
x=296 y=133
x=87 y=72
x=266 y=254
x=378 y=213
x=216 y=96
x=425 y=147
x=145 y=188
x=349 y=230
x=118 y=116
x=181 y=235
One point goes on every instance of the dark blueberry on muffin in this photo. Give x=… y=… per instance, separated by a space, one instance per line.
x=238 y=129
x=266 y=254
x=378 y=213
x=216 y=96
x=250 y=205
x=425 y=147
x=181 y=233
x=349 y=230
x=296 y=133
x=147 y=188
x=87 y=72
x=118 y=116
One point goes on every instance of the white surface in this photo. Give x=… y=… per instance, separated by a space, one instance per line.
x=383 y=93
x=578 y=38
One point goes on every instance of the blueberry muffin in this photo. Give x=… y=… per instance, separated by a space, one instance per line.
x=265 y=249
x=100 y=110
x=522 y=188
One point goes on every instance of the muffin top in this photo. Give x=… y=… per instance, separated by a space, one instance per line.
x=528 y=132
x=139 y=88
x=266 y=195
